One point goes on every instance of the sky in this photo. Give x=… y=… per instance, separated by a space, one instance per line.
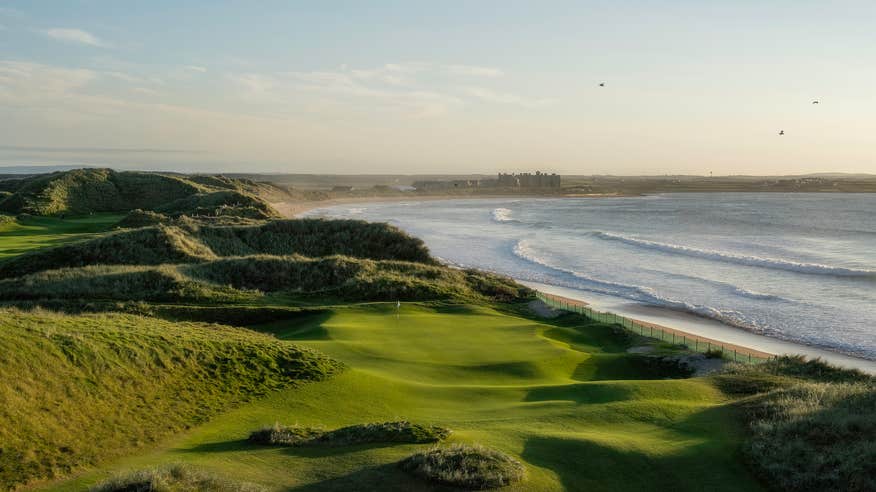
x=352 y=87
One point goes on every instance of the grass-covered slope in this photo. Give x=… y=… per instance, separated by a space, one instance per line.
x=147 y=246
x=317 y=237
x=83 y=191
x=235 y=280
x=193 y=243
x=79 y=389
x=812 y=425
x=562 y=397
x=86 y=191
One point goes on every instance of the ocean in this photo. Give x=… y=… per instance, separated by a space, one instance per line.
x=797 y=267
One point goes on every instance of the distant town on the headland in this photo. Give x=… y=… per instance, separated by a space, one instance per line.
x=537 y=180
x=321 y=186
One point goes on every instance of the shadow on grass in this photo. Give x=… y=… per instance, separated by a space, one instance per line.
x=580 y=393
x=323 y=451
x=585 y=465
x=221 y=447
x=306 y=326
x=385 y=478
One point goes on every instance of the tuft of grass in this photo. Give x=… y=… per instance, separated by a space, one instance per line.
x=77 y=390
x=467 y=466
x=175 y=478
x=782 y=372
x=380 y=432
x=815 y=437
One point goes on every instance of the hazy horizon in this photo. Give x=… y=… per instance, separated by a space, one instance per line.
x=454 y=88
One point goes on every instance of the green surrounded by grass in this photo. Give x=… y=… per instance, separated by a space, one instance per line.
x=563 y=397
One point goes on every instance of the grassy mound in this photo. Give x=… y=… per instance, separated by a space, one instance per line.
x=86 y=191
x=466 y=466
x=223 y=202
x=118 y=283
x=80 y=389
x=382 y=432
x=317 y=237
x=812 y=425
x=815 y=436
x=189 y=242
x=234 y=280
x=783 y=372
x=147 y=246
x=177 y=478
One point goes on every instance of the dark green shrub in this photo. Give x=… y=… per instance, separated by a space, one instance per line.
x=176 y=478
x=466 y=466
x=382 y=432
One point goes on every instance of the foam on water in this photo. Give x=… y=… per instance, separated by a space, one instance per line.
x=755 y=261
x=801 y=267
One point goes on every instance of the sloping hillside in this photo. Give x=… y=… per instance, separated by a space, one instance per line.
x=86 y=191
x=242 y=279
x=169 y=244
x=77 y=390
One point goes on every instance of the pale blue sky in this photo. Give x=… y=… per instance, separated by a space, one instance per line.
x=479 y=86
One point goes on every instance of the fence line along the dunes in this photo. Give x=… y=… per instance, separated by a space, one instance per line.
x=652 y=330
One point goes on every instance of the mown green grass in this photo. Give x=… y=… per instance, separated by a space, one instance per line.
x=561 y=398
x=77 y=390
x=31 y=232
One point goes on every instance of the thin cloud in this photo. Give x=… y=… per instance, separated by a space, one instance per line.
x=144 y=90
x=195 y=68
x=76 y=36
x=492 y=96
x=473 y=70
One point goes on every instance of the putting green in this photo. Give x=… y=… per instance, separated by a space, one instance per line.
x=566 y=400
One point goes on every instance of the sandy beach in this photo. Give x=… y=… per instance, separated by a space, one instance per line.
x=703 y=327
x=291 y=209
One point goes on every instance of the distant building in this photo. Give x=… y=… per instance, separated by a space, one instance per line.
x=528 y=180
x=523 y=180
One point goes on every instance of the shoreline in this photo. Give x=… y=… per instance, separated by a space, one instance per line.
x=292 y=209
x=691 y=324
x=697 y=326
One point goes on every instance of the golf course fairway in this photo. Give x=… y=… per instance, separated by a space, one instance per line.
x=563 y=396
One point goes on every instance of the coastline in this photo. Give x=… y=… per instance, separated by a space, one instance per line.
x=697 y=326
x=292 y=209
x=674 y=320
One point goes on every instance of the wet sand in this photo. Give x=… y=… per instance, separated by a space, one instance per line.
x=294 y=208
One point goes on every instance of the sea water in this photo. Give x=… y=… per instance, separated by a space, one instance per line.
x=800 y=267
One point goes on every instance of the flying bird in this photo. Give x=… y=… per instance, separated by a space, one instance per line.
x=602 y=84
x=781 y=132
x=815 y=102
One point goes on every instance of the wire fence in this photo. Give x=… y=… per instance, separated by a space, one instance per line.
x=696 y=343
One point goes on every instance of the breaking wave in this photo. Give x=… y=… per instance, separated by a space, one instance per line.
x=637 y=293
x=502 y=215
x=755 y=261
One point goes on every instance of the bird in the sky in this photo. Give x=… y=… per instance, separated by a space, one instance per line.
x=602 y=84
x=815 y=102
x=781 y=132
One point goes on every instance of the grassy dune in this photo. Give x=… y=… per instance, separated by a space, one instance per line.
x=560 y=396
x=77 y=390
x=86 y=191
x=172 y=244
